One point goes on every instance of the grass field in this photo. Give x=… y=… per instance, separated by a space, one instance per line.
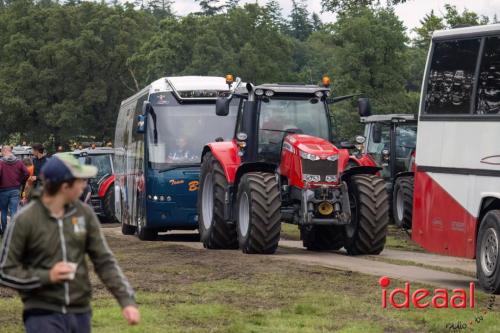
x=187 y=290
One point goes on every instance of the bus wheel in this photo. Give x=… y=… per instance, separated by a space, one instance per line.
x=215 y=232
x=487 y=258
x=146 y=234
x=128 y=229
x=402 y=202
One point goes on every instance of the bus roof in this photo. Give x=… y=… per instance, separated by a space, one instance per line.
x=185 y=83
x=479 y=30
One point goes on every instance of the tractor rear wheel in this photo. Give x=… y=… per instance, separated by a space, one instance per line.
x=258 y=213
x=109 y=205
x=322 y=237
x=487 y=252
x=369 y=202
x=402 y=202
x=215 y=232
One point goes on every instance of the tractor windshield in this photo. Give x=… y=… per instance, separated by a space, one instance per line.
x=182 y=131
x=277 y=115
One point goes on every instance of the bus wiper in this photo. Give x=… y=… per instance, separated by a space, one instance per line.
x=155 y=130
x=180 y=166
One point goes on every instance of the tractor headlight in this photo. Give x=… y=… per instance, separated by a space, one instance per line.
x=308 y=156
x=259 y=92
x=331 y=179
x=311 y=178
x=333 y=158
x=241 y=136
x=269 y=93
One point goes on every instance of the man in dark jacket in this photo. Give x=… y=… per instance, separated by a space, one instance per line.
x=13 y=175
x=44 y=249
x=39 y=159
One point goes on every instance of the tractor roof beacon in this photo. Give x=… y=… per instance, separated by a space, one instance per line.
x=282 y=166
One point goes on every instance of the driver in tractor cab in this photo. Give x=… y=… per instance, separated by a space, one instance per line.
x=181 y=152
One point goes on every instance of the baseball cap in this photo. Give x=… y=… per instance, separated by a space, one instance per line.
x=65 y=167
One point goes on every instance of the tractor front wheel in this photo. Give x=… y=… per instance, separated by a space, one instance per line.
x=258 y=213
x=402 y=202
x=369 y=202
x=215 y=232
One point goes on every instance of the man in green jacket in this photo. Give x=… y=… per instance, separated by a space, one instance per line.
x=43 y=254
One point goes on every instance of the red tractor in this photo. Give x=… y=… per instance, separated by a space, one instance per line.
x=281 y=166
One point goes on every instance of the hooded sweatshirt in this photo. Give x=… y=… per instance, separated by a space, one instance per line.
x=13 y=173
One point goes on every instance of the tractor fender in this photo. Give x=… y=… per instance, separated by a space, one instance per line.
x=364 y=160
x=371 y=170
x=227 y=155
x=253 y=167
x=103 y=188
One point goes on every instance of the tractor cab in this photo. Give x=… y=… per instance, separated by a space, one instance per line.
x=281 y=165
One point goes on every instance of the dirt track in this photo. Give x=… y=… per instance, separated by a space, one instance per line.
x=410 y=270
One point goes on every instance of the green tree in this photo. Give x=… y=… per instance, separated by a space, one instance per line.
x=300 y=23
x=347 y=5
x=210 y=7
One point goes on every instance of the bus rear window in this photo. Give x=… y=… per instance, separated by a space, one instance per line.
x=451 y=77
x=488 y=90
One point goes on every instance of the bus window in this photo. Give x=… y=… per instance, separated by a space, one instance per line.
x=488 y=92
x=449 y=85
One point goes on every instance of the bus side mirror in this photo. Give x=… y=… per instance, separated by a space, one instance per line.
x=377 y=133
x=141 y=124
x=364 y=107
x=222 y=106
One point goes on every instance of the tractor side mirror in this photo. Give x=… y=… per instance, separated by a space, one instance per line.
x=222 y=106
x=364 y=107
x=377 y=133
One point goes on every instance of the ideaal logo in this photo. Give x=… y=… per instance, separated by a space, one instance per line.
x=440 y=298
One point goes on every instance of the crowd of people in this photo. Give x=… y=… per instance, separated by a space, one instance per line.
x=18 y=178
x=45 y=244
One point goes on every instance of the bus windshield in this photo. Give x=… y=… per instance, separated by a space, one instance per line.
x=182 y=131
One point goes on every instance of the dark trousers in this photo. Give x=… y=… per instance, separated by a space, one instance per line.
x=58 y=323
x=9 y=201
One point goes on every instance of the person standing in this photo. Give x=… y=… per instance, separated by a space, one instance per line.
x=43 y=255
x=13 y=175
x=39 y=160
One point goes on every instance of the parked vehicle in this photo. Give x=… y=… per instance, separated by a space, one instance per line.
x=159 y=138
x=456 y=207
x=102 y=186
x=281 y=166
x=390 y=141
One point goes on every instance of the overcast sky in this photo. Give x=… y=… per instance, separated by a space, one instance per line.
x=410 y=12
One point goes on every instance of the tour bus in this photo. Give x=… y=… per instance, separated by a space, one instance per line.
x=457 y=184
x=159 y=137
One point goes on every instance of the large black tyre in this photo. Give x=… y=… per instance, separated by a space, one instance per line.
x=322 y=237
x=402 y=202
x=109 y=205
x=128 y=229
x=145 y=233
x=215 y=232
x=487 y=252
x=369 y=201
x=258 y=213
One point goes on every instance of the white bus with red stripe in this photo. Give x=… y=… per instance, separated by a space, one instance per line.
x=457 y=182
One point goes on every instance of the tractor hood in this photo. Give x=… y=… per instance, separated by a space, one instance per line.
x=312 y=145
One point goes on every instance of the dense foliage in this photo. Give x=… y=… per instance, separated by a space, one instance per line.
x=65 y=67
